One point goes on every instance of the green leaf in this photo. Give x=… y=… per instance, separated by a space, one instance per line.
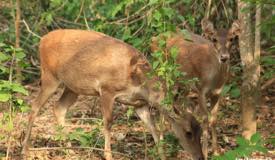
x=24 y=108
x=3 y=57
x=19 y=101
x=268 y=60
x=9 y=126
x=151 y=2
x=169 y=12
x=235 y=92
x=242 y=141
x=4 y=96
x=20 y=55
x=19 y=89
x=155 y=64
x=261 y=149
x=226 y=89
x=174 y=52
x=117 y=8
x=230 y=155
x=157 y=15
x=255 y=138
x=49 y=18
x=4 y=69
x=130 y=112
x=56 y=3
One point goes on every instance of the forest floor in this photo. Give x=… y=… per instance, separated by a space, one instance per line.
x=130 y=139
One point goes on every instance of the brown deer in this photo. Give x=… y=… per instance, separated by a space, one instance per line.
x=208 y=60
x=91 y=63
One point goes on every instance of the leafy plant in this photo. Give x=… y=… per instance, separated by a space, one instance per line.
x=87 y=139
x=245 y=148
x=80 y=136
x=268 y=62
x=171 y=144
x=231 y=89
x=10 y=91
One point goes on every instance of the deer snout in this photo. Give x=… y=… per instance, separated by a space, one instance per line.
x=224 y=58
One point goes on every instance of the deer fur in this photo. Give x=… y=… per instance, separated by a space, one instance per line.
x=92 y=63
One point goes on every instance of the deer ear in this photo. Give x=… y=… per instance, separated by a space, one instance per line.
x=139 y=68
x=235 y=29
x=207 y=28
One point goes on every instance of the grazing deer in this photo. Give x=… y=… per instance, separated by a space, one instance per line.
x=91 y=63
x=208 y=60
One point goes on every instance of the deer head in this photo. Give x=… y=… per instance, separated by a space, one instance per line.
x=222 y=39
x=187 y=129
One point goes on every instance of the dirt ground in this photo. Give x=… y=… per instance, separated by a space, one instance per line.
x=130 y=139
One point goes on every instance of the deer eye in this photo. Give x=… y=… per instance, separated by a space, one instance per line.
x=231 y=39
x=189 y=134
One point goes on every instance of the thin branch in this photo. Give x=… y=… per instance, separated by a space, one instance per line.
x=267 y=83
x=86 y=22
x=28 y=29
x=30 y=72
x=225 y=11
x=208 y=9
x=131 y=16
x=69 y=22
x=96 y=119
x=89 y=148
x=80 y=11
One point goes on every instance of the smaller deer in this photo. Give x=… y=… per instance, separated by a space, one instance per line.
x=206 y=58
x=91 y=63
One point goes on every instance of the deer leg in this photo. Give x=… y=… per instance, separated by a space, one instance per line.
x=106 y=102
x=202 y=104
x=48 y=87
x=145 y=116
x=212 y=122
x=66 y=100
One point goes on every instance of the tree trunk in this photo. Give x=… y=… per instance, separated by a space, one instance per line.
x=17 y=38
x=250 y=93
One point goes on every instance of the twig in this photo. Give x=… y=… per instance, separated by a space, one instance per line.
x=97 y=119
x=89 y=148
x=225 y=11
x=80 y=11
x=208 y=9
x=86 y=22
x=36 y=64
x=28 y=29
x=69 y=22
x=30 y=72
x=145 y=143
x=131 y=16
x=268 y=83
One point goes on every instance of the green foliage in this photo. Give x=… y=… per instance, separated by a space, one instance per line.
x=10 y=92
x=8 y=57
x=231 y=89
x=268 y=62
x=81 y=137
x=171 y=144
x=166 y=68
x=130 y=112
x=133 y=21
x=87 y=139
x=245 y=148
x=8 y=89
